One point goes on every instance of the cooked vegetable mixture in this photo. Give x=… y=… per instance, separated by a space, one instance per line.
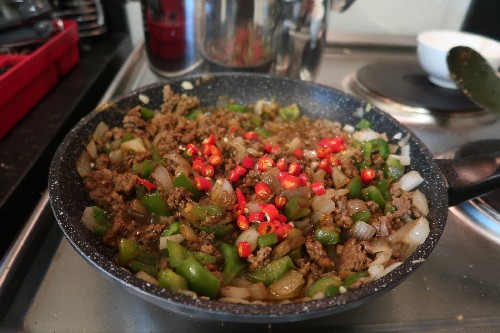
x=251 y=203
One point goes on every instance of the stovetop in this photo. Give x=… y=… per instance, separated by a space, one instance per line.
x=457 y=289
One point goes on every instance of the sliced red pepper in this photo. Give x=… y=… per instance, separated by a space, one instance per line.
x=242 y=222
x=294 y=168
x=318 y=188
x=323 y=152
x=149 y=186
x=304 y=179
x=281 y=218
x=281 y=164
x=266 y=228
x=256 y=217
x=280 y=201
x=250 y=135
x=215 y=159
x=248 y=163
x=198 y=164
x=270 y=211
x=207 y=170
x=290 y=182
x=282 y=175
x=202 y=183
x=367 y=175
x=264 y=163
x=240 y=199
x=244 y=249
x=282 y=231
x=233 y=176
x=325 y=165
x=334 y=161
x=240 y=171
x=210 y=140
x=191 y=150
x=299 y=153
x=262 y=191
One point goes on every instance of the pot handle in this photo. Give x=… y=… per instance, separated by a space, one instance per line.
x=470 y=177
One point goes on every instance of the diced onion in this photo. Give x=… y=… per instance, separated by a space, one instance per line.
x=177 y=238
x=404 y=140
x=294 y=144
x=362 y=230
x=88 y=218
x=339 y=178
x=186 y=85
x=100 y=130
x=143 y=98
x=288 y=286
x=115 y=156
x=135 y=145
x=250 y=236
x=188 y=233
x=92 y=149
x=420 y=202
x=183 y=165
x=163 y=178
x=222 y=193
x=413 y=233
x=258 y=291
x=302 y=191
x=146 y=277
x=234 y=292
x=365 y=134
x=410 y=180
x=83 y=164
x=382 y=257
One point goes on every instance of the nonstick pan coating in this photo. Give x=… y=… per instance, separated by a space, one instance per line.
x=68 y=197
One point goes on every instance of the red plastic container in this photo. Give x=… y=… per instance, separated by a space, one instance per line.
x=30 y=77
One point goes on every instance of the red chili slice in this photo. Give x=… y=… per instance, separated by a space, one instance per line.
x=294 y=168
x=282 y=231
x=250 y=136
x=242 y=222
x=191 y=150
x=244 y=249
x=299 y=153
x=280 y=201
x=290 y=182
x=262 y=191
x=256 y=217
x=318 y=188
x=367 y=175
x=202 y=183
x=264 y=163
x=248 y=163
x=210 y=140
x=149 y=186
x=207 y=170
x=266 y=228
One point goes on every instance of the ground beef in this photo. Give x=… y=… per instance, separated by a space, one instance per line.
x=317 y=253
x=353 y=257
x=259 y=259
x=178 y=198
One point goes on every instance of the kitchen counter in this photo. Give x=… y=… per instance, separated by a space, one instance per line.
x=27 y=150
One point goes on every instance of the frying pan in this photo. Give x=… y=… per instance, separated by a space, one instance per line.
x=68 y=197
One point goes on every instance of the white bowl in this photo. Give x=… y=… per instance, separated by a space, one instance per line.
x=433 y=47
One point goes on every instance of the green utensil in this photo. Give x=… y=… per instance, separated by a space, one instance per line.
x=474 y=75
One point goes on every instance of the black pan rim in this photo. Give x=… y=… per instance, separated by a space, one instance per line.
x=231 y=311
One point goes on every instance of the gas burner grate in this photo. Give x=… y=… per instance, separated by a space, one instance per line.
x=402 y=89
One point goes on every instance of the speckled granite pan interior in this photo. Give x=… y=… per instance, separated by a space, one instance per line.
x=68 y=197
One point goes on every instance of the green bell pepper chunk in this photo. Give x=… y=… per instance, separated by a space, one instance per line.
x=143 y=169
x=372 y=193
x=147 y=113
x=202 y=257
x=101 y=221
x=393 y=169
x=381 y=146
x=199 y=279
x=177 y=254
x=182 y=180
x=154 y=203
x=290 y=112
x=297 y=207
x=128 y=250
x=217 y=230
x=383 y=187
x=193 y=114
x=137 y=266
x=362 y=215
x=173 y=229
x=155 y=155
x=348 y=281
x=363 y=123
x=366 y=150
x=267 y=240
x=326 y=236
x=172 y=281
x=389 y=208
x=232 y=262
x=297 y=253
x=127 y=136
x=237 y=108
x=272 y=271
x=204 y=211
x=326 y=285
x=355 y=187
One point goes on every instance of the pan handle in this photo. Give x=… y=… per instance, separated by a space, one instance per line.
x=470 y=177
